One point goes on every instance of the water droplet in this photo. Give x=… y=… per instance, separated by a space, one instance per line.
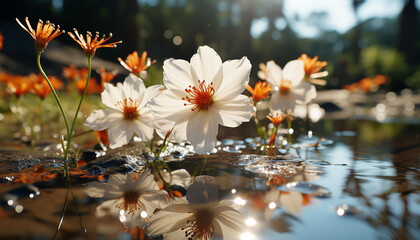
x=348 y=210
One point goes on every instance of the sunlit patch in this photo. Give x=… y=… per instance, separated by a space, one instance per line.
x=250 y=222
x=272 y=205
x=247 y=236
x=19 y=208
x=201 y=98
x=239 y=201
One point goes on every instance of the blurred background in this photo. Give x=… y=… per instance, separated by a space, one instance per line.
x=358 y=38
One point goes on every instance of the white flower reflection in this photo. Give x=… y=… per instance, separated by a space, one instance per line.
x=201 y=94
x=132 y=198
x=127 y=111
x=199 y=215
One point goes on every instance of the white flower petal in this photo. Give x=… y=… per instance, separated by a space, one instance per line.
x=292 y=201
x=281 y=102
x=207 y=65
x=304 y=92
x=202 y=131
x=111 y=95
x=167 y=105
x=235 y=79
x=168 y=221
x=133 y=87
x=294 y=71
x=177 y=74
x=150 y=93
x=143 y=130
x=180 y=132
x=274 y=74
x=103 y=190
x=102 y=119
x=120 y=134
x=108 y=208
x=234 y=112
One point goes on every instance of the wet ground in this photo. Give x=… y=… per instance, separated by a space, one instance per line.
x=362 y=181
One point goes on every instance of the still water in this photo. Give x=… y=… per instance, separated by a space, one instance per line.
x=361 y=181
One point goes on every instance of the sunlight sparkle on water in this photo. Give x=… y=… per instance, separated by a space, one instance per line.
x=247 y=236
x=239 y=201
x=250 y=222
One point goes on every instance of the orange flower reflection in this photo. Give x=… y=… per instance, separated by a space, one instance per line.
x=90 y=45
x=43 y=34
x=313 y=68
x=137 y=65
x=261 y=90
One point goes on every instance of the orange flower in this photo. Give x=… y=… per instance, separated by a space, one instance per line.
x=43 y=34
x=261 y=90
x=70 y=72
x=102 y=137
x=90 y=45
x=367 y=85
x=277 y=118
x=19 y=85
x=354 y=87
x=93 y=86
x=137 y=65
x=1 y=41
x=105 y=77
x=41 y=87
x=379 y=79
x=312 y=69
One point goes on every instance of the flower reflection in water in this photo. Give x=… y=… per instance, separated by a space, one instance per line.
x=132 y=198
x=198 y=215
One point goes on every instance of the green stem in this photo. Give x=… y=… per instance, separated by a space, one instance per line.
x=67 y=149
x=38 y=61
x=289 y=126
x=260 y=130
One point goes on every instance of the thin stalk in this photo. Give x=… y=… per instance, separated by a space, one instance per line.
x=63 y=212
x=289 y=126
x=38 y=62
x=260 y=130
x=67 y=149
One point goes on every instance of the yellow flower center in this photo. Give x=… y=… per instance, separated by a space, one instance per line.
x=129 y=108
x=201 y=227
x=201 y=98
x=285 y=86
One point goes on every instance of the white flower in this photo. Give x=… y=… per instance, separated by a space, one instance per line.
x=198 y=216
x=202 y=94
x=132 y=198
x=288 y=84
x=127 y=111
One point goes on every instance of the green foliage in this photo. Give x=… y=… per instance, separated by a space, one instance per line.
x=386 y=61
